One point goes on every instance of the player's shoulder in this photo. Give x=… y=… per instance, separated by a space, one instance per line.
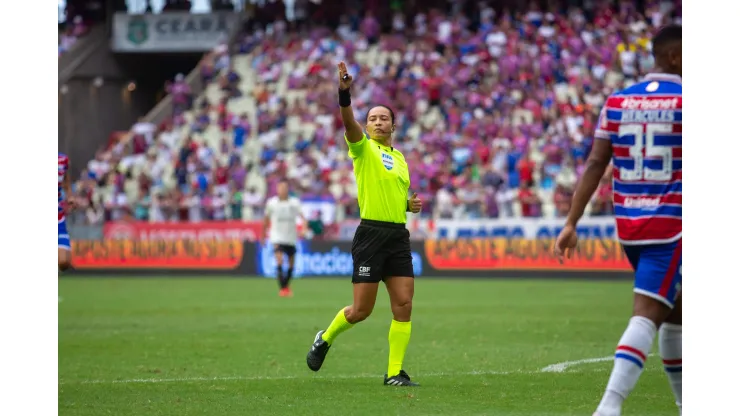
x=652 y=86
x=295 y=200
x=644 y=96
x=271 y=200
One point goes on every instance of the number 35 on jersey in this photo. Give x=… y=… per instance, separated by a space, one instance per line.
x=643 y=124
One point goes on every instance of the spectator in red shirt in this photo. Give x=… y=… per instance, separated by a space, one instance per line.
x=528 y=200
x=221 y=179
x=526 y=169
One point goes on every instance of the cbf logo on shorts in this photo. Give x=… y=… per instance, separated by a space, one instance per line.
x=387 y=161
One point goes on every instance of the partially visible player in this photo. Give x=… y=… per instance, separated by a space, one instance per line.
x=64 y=191
x=281 y=216
x=640 y=129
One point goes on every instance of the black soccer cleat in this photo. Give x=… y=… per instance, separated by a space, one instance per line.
x=401 y=380
x=317 y=353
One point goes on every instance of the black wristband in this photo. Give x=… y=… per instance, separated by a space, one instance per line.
x=344 y=98
x=408 y=206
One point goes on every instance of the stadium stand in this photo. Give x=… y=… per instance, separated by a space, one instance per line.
x=496 y=111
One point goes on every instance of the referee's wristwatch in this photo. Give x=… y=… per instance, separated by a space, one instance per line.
x=408 y=205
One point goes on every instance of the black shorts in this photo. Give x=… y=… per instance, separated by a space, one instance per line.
x=288 y=249
x=379 y=250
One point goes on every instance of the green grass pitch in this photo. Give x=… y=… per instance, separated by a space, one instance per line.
x=216 y=346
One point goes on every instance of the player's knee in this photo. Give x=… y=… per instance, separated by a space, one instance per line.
x=64 y=264
x=652 y=309
x=64 y=259
x=357 y=313
x=675 y=318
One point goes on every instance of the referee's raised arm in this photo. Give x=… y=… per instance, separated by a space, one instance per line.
x=351 y=126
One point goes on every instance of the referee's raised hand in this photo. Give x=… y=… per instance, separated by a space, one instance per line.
x=353 y=129
x=345 y=79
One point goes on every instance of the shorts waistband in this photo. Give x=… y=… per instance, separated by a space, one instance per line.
x=373 y=223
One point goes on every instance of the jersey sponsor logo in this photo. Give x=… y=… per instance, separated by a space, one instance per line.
x=652 y=87
x=387 y=161
x=643 y=202
x=647 y=103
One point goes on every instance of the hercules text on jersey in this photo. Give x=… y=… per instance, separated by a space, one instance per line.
x=643 y=123
x=62 y=167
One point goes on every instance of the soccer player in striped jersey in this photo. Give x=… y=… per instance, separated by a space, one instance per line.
x=64 y=190
x=640 y=130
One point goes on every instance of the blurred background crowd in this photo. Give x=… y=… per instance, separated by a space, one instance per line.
x=495 y=108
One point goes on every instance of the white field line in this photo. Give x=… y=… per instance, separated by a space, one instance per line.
x=561 y=367
x=269 y=378
x=554 y=368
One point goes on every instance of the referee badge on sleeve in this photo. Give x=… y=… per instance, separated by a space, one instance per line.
x=387 y=160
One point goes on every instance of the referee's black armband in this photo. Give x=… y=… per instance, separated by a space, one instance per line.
x=345 y=99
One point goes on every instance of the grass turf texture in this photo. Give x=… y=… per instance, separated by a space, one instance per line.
x=233 y=347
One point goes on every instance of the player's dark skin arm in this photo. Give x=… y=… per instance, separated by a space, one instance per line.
x=598 y=161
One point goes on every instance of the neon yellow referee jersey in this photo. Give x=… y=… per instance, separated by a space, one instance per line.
x=382 y=180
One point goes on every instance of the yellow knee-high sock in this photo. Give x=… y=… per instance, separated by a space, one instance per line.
x=338 y=325
x=398 y=339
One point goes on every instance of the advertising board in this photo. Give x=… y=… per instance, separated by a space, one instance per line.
x=171 y=32
x=526 y=228
x=321 y=258
x=496 y=255
x=157 y=254
x=207 y=230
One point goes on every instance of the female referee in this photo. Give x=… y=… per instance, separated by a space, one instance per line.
x=381 y=249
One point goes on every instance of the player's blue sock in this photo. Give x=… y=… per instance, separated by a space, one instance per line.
x=629 y=361
x=670 y=345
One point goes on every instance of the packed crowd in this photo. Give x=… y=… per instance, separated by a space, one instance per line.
x=69 y=33
x=494 y=110
x=76 y=17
